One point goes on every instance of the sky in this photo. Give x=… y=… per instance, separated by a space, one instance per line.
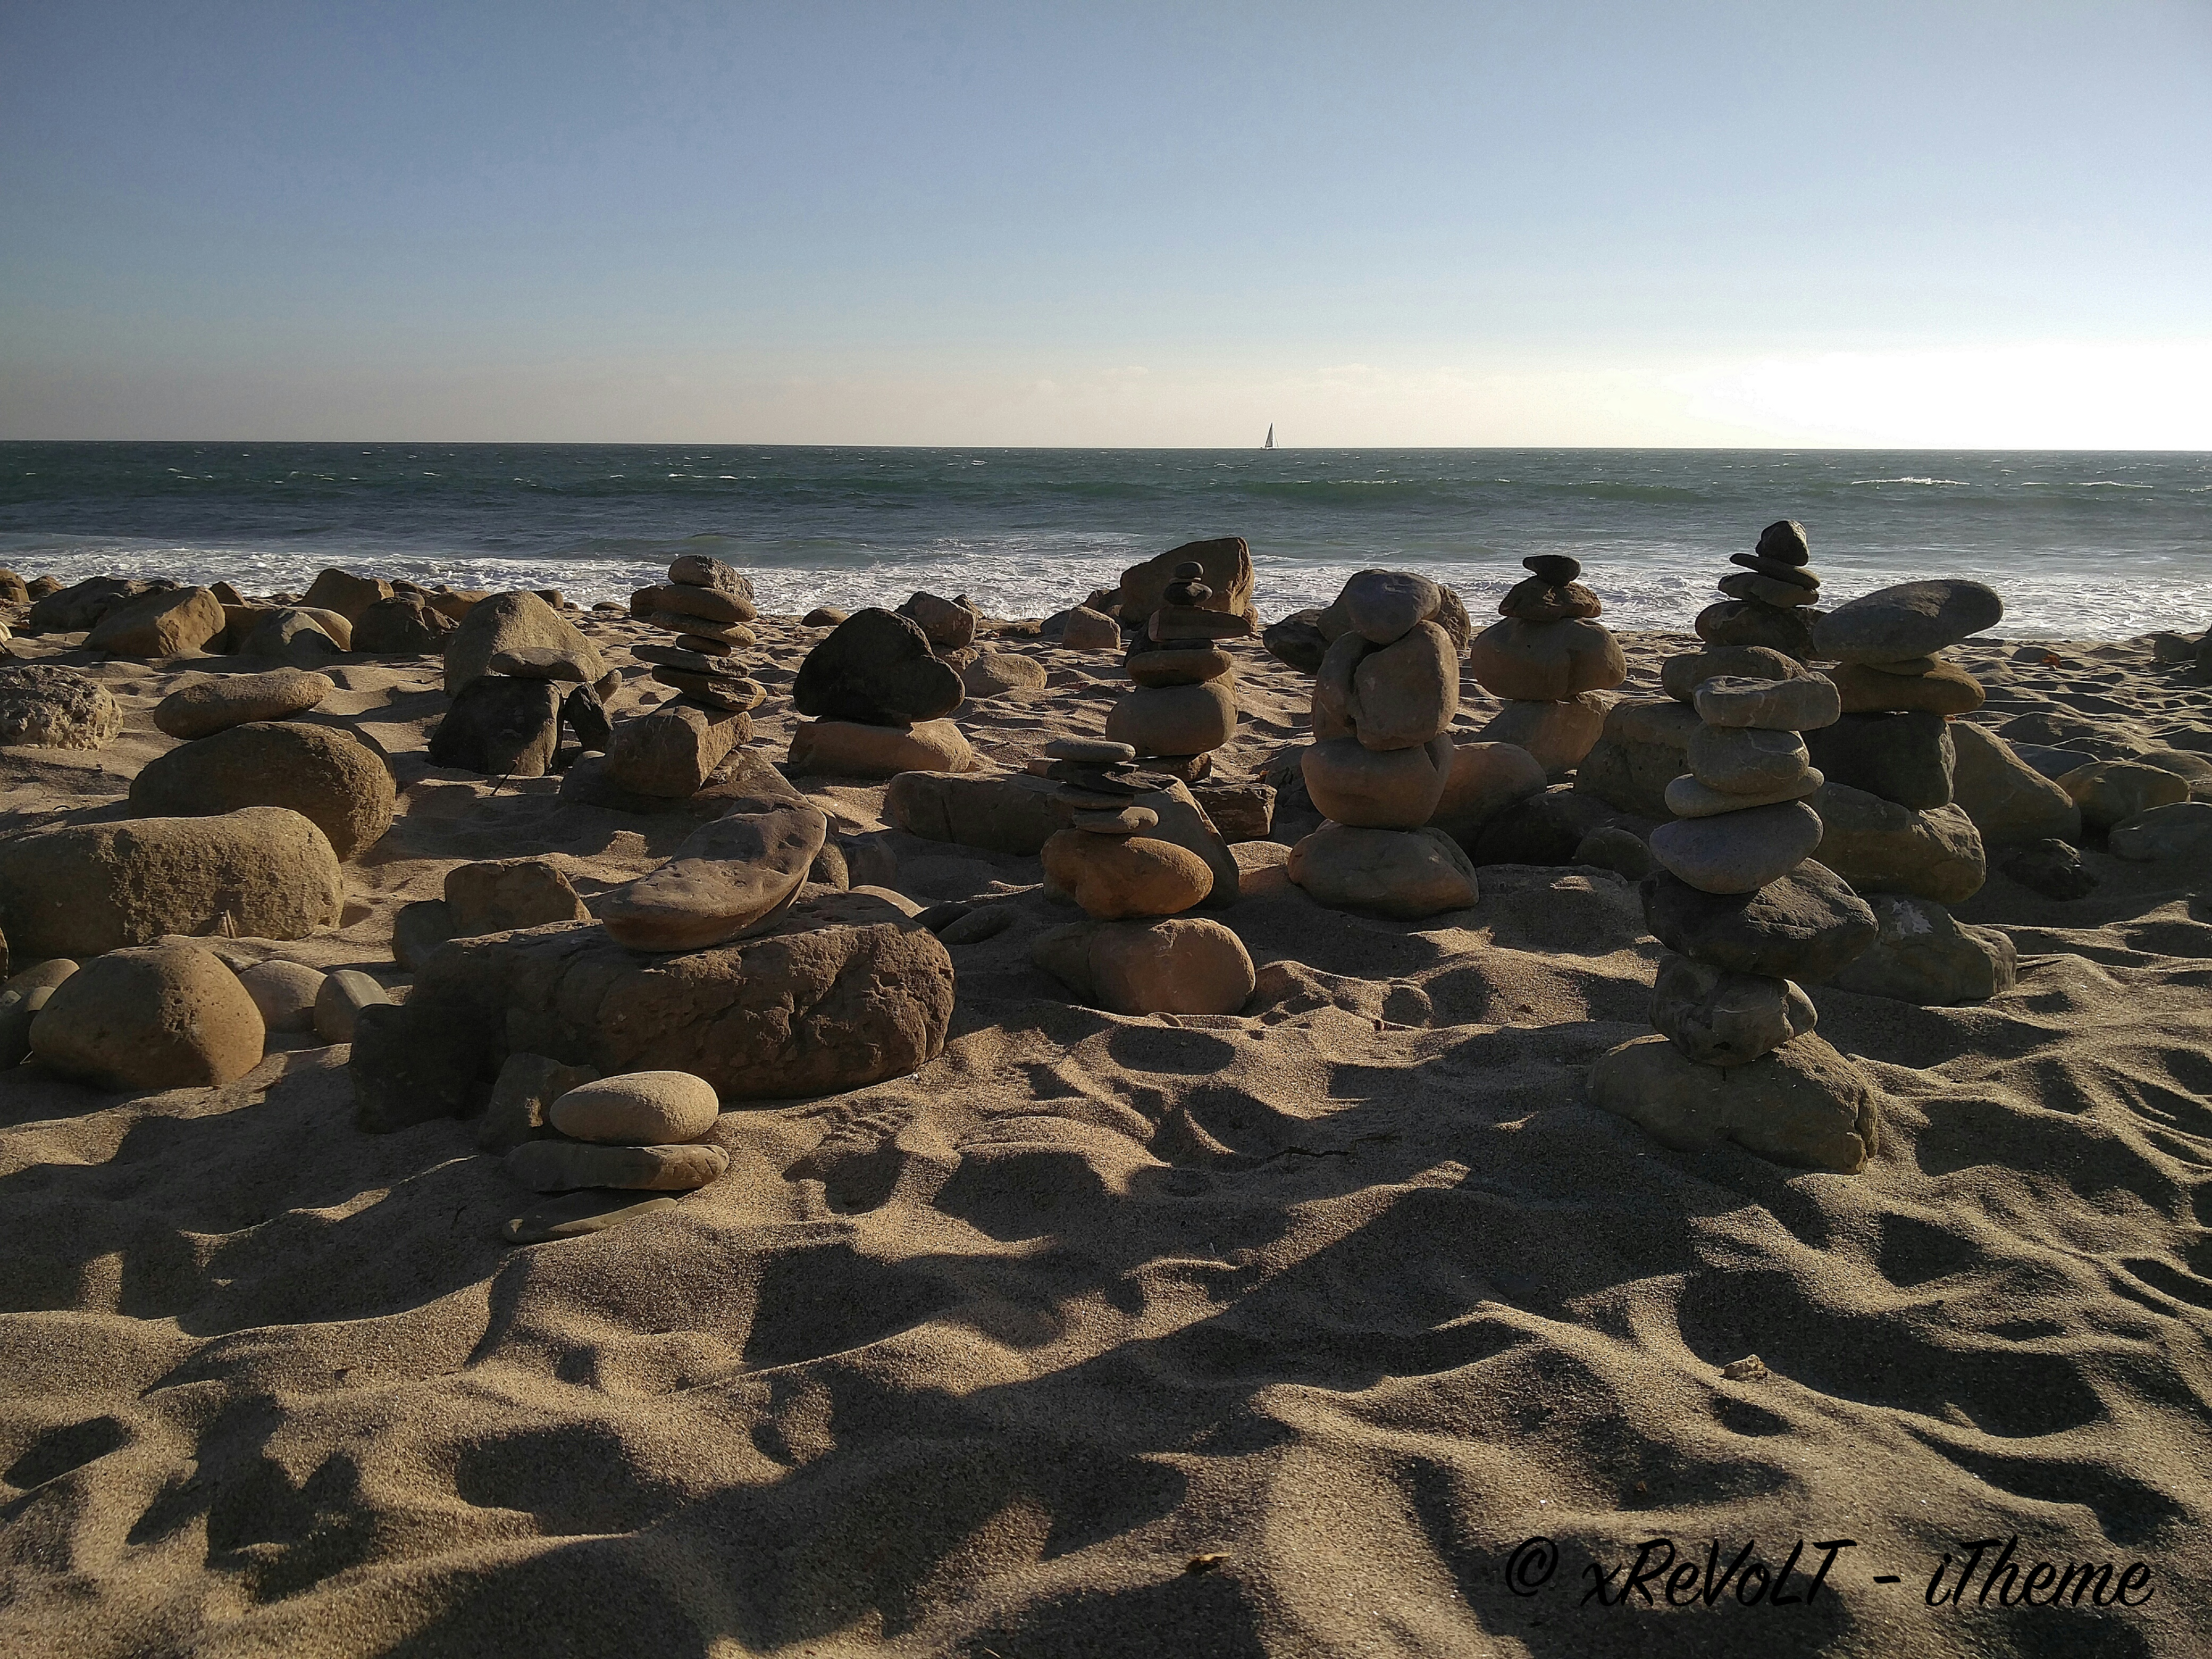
x=1931 y=224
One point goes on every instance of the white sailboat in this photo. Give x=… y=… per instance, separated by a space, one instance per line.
x=1270 y=444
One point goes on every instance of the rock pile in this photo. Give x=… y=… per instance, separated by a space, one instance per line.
x=1743 y=911
x=602 y=1141
x=1386 y=691
x=876 y=694
x=1131 y=874
x=1547 y=661
x=517 y=671
x=1770 y=600
x=1892 y=825
x=1185 y=704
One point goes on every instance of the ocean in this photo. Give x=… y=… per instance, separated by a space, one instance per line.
x=2081 y=545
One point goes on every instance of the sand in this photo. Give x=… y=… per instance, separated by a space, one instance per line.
x=1267 y=1333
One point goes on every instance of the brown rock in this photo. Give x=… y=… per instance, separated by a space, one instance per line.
x=163 y=1017
x=329 y=777
x=215 y=704
x=1114 y=877
x=528 y=1085
x=1546 y=662
x=1179 y=720
x=349 y=595
x=1091 y=630
x=1804 y=1105
x=1946 y=689
x=682 y=599
x=46 y=706
x=508 y=622
x=496 y=894
x=672 y=750
x=1394 y=789
x=1405 y=873
x=1486 y=778
x=1182 y=965
x=638 y=1108
x=1228 y=565
x=78 y=891
x=727 y=880
x=160 y=624
x=847 y=748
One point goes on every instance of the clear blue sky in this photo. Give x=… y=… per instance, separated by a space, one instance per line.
x=1941 y=223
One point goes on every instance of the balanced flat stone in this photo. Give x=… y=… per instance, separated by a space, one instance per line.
x=697 y=570
x=716 y=666
x=1738 y=852
x=638 y=1108
x=539 y=662
x=219 y=701
x=560 y=1166
x=1801 y=576
x=1798 y=705
x=1750 y=584
x=699 y=628
x=1090 y=751
x=728 y=879
x=1177 y=665
x=732 y=695
x=1688 y=798
x=1535 y=600
x=1556 y=569
x=1912 y=619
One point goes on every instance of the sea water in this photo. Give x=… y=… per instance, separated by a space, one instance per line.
x=2081 y=545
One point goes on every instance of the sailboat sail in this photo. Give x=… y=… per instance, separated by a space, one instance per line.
x=1270 y=444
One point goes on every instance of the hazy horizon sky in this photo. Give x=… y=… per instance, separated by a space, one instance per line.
x=1939 y=225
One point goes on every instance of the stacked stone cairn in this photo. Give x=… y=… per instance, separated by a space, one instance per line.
x=1770 y=600
x=1743 y=911
x=1547 y=661
x=1384 y=695
x=1185 y=704
x=613 y=1148
x=876 y=692
x=670 y=752
x=1138 y=954
x=1894 y=828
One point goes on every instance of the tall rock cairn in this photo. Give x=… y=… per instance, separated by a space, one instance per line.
x=1137 y=954
x=1742 y=908
x=1385 y=698
x=672 y=751
x=1895 y=830
x=1185 y=704
x=1770 y=600
x=1547 y=661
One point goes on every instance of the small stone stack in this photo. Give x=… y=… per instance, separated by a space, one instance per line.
x=1136 y=955
x=1770 y=600
x=1895 y=827
x=670 y=752
x=875 y=691
x=1547 y=661
x=706 y=604
x=1185 y=704
x=603 y=1144
x=1744 y=911
x=1384 y=696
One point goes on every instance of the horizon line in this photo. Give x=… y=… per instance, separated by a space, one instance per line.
x=1227 y=449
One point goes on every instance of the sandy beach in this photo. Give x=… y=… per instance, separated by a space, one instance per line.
x=1275 y=1332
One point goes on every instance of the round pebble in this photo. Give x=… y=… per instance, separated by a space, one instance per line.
x=639 y=1109
x=285 y=992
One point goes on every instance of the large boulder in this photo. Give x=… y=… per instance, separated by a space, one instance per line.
x=329 y=777
x=1546 y=662
x=1644 y=747
x=876 y=668
x=404 y=625
x=509 y=622
x=2010 y=802
x=1228 y=563
x=162 y=624
x=219 y=701
x=949 y=623
x=1881 y=847
x=501 y=727
x=46 y=706
x=1924 y=955
x=349 y=595
x=1486 y=778
x=78 y=889
x=1803 y=1105
x=1904 y=757
x=2109 y=793
x=842 y=993
x=293 y=637
x=79 y=607
x=163 y=1017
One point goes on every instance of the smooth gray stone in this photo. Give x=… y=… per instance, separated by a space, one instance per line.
x=1907 y=757
x=1912 y=619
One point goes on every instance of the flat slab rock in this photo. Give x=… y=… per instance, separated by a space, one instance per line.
x=843 y=992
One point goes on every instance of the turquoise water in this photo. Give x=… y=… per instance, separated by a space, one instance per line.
x=2082 y=545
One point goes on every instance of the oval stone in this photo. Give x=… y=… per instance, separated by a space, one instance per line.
x=1911 y=619
x=1798 y=705
x=639 y=1109
x=1738 y=852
